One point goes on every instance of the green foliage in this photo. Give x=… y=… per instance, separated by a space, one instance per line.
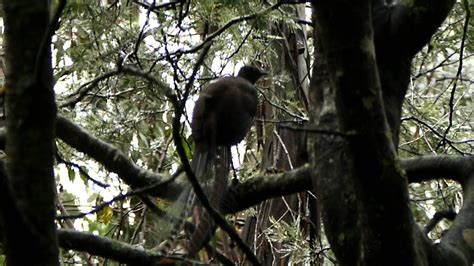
x=131 y=113
x=468 y=6
x=427 y=115
x=434 y=78
x=135 y=116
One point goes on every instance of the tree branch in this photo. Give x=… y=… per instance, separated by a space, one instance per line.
x=413 y=23
x=436 y=133
x=112 y=159
x=136 y=192
x=457 y=246
x=115 y=250
x=216 y=33
x=458 y=73
x=85 y=88
x=437 y=217
x=424 y=168
x=43 y=48
x=257 y=189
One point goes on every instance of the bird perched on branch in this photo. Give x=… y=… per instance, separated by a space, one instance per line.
x=223 y=114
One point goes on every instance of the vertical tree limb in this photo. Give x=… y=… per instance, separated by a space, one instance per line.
x=31 y=115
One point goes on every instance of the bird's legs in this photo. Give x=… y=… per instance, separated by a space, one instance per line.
x=235 y=180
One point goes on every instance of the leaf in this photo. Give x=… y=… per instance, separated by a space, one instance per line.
x=187 y=147
x=105 y=215
x=83 y=174
x=71 y=173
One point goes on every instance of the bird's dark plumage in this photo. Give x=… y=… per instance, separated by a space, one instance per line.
x=223 y=114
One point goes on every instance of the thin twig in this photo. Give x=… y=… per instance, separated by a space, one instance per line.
x=230 y=23
x=301 y=118
x=135 y=192
x=458 y=74
x=80 y=169
x=448 y=141
x=282 y=143
x=86 y=88
x=317 y=131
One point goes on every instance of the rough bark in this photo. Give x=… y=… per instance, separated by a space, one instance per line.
x=328 y=153
x=31 y=112
x=369 y=69
x=113 y=249
x=284 y=147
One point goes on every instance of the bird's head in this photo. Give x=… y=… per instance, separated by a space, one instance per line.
x=250 y=73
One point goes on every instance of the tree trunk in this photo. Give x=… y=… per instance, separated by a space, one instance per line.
x=358 y=87
x=284 y=147
x=30 y=237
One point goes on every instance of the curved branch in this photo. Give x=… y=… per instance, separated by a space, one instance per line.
x=424 y=168
x=112 y=159
x=457 y=246
x=115 y=250
x=257 y=189
x=437 y=217
x=250 y=192
x=413 y=23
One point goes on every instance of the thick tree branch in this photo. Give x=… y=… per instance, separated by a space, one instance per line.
x=411 y=23
x=257 y=189
x=31 y=112
x=457 y=247
x=425 y=168
x=115 y=250
x=379 y=185
x=112 y=159
x=438 y=216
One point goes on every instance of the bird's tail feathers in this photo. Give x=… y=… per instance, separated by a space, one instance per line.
x=202 y=162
